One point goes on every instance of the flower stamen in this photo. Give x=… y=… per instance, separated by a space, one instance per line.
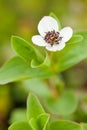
x=52 y=37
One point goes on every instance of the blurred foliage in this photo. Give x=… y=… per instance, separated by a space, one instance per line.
x=19 y=17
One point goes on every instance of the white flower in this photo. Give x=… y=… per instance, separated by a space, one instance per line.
x=50 y=36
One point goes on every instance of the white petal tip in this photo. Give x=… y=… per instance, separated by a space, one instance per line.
x=38 y=40
x=47 y=23
x=66 y=33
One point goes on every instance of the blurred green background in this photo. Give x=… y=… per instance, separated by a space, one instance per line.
x=20 y=17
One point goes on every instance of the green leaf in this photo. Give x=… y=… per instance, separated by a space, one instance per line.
x=34 y=108
x=55 y=17
x=75 y=39
x=33 y=124
x=64 y=125
x=20 y=126
x=63 y=105
x=18 y=115
x=45 y=63
x=33 y=55
x=17 y=69
x=23 y=48
x=42 y=121
x=72 y=53
x=41 y=89
x=39 y=123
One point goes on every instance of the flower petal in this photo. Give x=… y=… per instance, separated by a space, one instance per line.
x=46 y=24
x=57 y=47
x=51 y=48
x=38 y=40
x=66 y=33
x=61 y=46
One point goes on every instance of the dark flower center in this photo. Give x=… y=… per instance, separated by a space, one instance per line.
x=52 y=37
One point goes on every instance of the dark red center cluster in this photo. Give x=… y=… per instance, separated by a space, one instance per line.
x=52 y=37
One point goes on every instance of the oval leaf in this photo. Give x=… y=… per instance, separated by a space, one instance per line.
x=17 y=69
x=18 y=115
x=75 y=39
x=41 y=89
x=64 y=105
x=34 y=108
x=20 y=126
x=23 y=49
x=64 y=125
x=29 y=52
x=72 y=53
x=39 y=123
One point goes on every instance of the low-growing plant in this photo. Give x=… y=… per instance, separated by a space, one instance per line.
x=41 y=62
x=38 y=119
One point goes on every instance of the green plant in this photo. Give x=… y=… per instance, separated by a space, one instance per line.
x=38 y=119
x=38 y=65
